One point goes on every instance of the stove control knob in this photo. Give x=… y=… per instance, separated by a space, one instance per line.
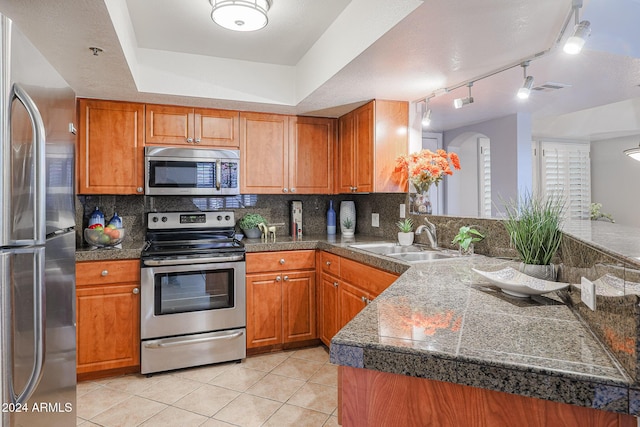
x=164 y=219
x=155 y=219
x=227 y=217
x=219 y=217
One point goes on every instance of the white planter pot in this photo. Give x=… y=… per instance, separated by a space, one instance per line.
x=544 y=272
x=405 y=239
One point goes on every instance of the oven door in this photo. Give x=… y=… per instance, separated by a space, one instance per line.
x=189 y=299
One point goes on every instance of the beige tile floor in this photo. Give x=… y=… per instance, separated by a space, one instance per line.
x=291 y=388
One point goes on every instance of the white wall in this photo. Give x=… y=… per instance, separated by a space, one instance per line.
x=511 y=162
x=462 y=186
x=615 y=178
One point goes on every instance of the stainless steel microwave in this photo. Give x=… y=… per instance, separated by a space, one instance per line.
x=191 y=171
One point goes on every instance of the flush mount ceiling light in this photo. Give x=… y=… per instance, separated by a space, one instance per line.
x=461 y=102
x=525 y=90
x=240 y=15
x=581 y=31
x=634 y=153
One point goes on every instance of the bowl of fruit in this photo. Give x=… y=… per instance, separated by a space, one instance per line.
x=101 y=237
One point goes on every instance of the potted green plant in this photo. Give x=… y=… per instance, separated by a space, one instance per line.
x=249 y=225
x=405 y=235
x=347 y=228
x=533 y=225
x=466 y=237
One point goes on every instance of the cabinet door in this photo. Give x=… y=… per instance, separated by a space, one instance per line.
x=108 y=327
x=346 y=154
x=299 y=306
x=311 y=149
x=351 y=301
x=169 y=125
x=219 y=128
x=363 y=170
x=328 y=312
x=264 y=309
x=110 y=147
x=264 y=140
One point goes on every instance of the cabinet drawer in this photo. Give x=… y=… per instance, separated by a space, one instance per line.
x=258 y=262
x=103 y=272
x=368 y=278
x=330 y=263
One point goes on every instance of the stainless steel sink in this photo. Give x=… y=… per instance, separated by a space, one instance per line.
x=419 y=256
x=412 y=253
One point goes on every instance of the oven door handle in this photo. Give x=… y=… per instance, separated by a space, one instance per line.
x=180 y=342
x=189 y=261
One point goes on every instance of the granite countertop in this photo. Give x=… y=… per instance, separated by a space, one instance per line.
x=443 y=322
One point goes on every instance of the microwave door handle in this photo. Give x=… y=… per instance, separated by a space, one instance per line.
x=218 y=174
x=40 y=192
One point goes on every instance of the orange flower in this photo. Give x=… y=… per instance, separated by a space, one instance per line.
x=426 y=167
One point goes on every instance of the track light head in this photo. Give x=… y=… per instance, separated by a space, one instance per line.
x=461 y=102
x=574 y=44
x=525 y=90
x=426 y=118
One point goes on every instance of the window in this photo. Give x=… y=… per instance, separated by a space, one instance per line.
x=562 y=169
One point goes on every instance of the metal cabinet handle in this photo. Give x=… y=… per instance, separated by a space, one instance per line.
x=139 y=189
x=281 y=261
x=278 y=278
x=364 y=299
x=189 y=140
x=285 y=190
x=293 y=190
x=335 y=284
x=286 y=278
x=197 y=141
x=104 y=273
x=328 y=263
x=136 y=291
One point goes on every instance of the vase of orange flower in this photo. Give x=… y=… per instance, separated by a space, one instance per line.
x=425 y=168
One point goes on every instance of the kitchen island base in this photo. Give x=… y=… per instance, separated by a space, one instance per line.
x=372 y=398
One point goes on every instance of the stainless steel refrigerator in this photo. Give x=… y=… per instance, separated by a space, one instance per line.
x=37 y=238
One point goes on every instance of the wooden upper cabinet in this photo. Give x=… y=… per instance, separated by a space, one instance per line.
x=311 y=148
x=286 y=154
x=370 y=139
x=264 y=150
x=110 y=147
x=171 y=125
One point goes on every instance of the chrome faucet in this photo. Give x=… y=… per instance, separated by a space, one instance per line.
x=431 y=233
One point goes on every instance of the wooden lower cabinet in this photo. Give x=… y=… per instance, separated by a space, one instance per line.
x=346 y=287
x=281 y=298
x=372 y=398
x=107 y=317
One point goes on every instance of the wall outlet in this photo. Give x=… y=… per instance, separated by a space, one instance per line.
x=375 y=220
x=588 y=293
x=403 y=210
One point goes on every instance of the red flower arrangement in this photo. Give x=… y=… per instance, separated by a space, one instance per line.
x=426 y=167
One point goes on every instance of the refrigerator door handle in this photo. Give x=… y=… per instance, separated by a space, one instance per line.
x=40 y=190
x=39 y=328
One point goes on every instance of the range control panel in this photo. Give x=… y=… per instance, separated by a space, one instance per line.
x=177 y=220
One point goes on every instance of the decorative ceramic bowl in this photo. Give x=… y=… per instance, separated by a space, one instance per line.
x=106 y=237
x=518 y=284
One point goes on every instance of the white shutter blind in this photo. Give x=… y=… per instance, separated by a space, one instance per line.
x=565 y=173
x=484 y=181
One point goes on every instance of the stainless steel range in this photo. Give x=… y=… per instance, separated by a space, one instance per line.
x=193 y=297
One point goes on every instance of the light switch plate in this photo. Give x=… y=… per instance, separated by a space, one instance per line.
x=375 y=220
x=588 y=293
x=403 y=210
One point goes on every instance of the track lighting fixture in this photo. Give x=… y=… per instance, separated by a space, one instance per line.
x=461 y=102
x=581 y=31
x=634 y=153
x=525 y=90
x=426 y=115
